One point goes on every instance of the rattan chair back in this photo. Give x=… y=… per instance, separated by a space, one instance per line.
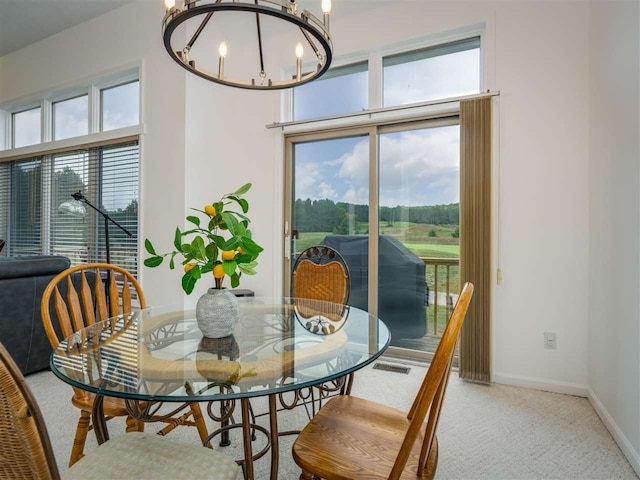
x=321 y=273
x=25 y=449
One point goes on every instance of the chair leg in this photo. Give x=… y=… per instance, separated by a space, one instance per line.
x=196 y=412
x=77 y=450
x=134 y=425
x=304 y=475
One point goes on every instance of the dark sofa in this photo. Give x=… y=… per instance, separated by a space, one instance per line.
x=22 y=282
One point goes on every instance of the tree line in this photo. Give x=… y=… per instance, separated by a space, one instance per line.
x=329 y=216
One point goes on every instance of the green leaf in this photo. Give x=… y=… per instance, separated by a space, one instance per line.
x=188 y=282
x=194 y=220
x=231 y=221
x=235 y=280
x=229 y=266
x=149 y=247
x=244 y=205
x=153 y=261
x=185 y=248
x=211 y=250
x=242 y=229
x=197 y=245
x=251 y=247
x=171 y=262
x=245 y=268
x=244 y=258
x=243 y=189
x=220 y=241
x=231 y=244
x=195 y=272
x=177 y=239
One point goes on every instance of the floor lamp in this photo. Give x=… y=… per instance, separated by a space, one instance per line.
x=77 y=209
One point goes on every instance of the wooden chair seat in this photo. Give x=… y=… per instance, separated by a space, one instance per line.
x=375 y=434
x=113 y=407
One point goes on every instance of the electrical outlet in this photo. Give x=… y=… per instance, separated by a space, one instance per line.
x=550 y=340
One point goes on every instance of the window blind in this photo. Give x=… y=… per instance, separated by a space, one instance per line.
x=32 y=190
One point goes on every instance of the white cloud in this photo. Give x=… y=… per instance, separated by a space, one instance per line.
x=419 y=167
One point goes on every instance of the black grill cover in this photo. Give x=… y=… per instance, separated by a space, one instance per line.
x=402 y=295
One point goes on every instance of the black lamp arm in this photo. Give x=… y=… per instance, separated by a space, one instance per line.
x=80 y=197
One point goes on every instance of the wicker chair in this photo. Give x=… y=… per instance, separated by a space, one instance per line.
x=320 y=273
x=354 y=438
x=26 y=452
x=71 y=299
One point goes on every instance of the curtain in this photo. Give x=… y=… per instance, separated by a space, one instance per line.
x=475 y=235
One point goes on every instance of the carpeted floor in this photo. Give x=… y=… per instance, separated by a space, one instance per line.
x=486 y=432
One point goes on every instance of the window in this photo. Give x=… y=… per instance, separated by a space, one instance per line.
x=71 y=118
x=389 y=78
x=33 y=186
x=26 y=128
x=340 y=90
x=32 y=190
x=442 y=71
x=120 y=106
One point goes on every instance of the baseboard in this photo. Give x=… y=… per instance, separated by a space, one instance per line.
x=632 y=455
x=541 y=384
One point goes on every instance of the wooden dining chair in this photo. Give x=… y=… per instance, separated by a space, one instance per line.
x=26 y=452
x=354 y=438
x=81 y=296
x=321 y=273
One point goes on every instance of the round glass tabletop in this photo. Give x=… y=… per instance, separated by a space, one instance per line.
x=278 y=345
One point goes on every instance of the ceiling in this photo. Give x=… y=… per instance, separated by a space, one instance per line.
x=23 y=22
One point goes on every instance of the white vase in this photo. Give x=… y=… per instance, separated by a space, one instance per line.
x=217 y=313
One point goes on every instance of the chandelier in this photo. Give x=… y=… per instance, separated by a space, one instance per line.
x=248 y=59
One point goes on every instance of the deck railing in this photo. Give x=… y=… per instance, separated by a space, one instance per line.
x=443 y=284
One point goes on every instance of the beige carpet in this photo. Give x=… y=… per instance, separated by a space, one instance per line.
x=486 y=432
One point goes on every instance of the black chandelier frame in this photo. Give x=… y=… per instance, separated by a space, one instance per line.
x=310 y=26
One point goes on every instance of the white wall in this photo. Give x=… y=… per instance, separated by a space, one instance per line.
x=614 y=287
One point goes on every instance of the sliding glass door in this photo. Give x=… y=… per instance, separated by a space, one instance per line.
x=403 y=253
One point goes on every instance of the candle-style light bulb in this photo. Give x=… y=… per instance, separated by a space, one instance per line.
x=326 y=8
x=169 y=4
x=222 y=50
x=299 y=53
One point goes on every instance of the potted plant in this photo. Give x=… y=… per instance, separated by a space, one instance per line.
x=219 y=242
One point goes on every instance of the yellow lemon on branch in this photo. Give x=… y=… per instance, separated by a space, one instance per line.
x=218 y=271
x=210 y=210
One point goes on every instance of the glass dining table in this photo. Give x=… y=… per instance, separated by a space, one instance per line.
x=156 y=355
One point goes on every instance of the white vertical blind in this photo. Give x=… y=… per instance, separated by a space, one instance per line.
x=32 y=190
